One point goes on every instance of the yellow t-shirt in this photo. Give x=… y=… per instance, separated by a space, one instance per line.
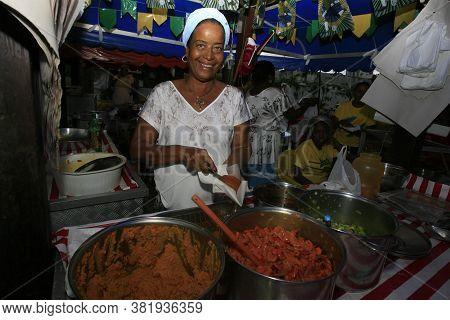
x=358 y=117
x=314 y=163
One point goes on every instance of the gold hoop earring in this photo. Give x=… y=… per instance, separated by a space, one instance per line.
x=184 y=59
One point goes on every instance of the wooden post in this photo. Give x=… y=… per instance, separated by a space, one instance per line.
x=247 y=31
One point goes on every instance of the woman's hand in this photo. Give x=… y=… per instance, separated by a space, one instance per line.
x=196 y=159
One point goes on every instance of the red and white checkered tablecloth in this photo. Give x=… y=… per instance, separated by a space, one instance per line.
x=428 y=187
x=126 y=181
x=425 y=278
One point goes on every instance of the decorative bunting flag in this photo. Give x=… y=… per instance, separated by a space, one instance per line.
x=260 y=11
x=232 y=5
x=286 y=18
x=165 y=4
x=108 y=18
x=232 y=25
x=361 y=23
x=334 y=17
x=145 y=20
x=128 y=6
x=404 y=15
x=176 y=25
x=159 y=15
x=312 y=30
x=373 y=26
x=382 y=7
x=291 y=36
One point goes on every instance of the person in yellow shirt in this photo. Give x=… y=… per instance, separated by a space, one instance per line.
x=352 y=116
x=315 y=156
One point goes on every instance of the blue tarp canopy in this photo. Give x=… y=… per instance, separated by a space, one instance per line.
x=348 y=53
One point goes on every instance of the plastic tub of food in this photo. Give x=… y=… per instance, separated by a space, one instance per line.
x=73 y=183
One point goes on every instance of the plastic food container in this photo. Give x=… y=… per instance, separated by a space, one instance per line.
x=86 y=183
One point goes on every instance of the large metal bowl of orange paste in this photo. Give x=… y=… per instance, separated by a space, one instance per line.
x=148 y=258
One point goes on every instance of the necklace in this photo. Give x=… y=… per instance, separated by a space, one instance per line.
x=199 y=101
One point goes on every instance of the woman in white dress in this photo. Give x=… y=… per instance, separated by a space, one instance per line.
x=193 y=124
x=268 y=106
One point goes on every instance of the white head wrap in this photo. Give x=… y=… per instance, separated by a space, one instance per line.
x=198 y=16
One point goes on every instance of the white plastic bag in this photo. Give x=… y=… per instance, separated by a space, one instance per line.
x=344 y=174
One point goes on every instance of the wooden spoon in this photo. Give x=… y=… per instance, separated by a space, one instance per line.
x=230 y=234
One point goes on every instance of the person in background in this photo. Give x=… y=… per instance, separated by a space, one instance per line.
x=196 y=123
x=352 y=116
x=315 y=156
x=299 y=114
x=123 y=87
x=267 y=105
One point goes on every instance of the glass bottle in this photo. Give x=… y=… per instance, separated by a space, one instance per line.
x=94 y=132
x=371 y=170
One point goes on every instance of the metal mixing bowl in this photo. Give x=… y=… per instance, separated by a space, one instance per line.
x=73 y=134
x=198 y=235
x=245 y=283
x=367 y=253
x=280 y=194
x=393 y=177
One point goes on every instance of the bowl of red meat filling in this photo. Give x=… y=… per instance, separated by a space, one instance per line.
x=299 y=258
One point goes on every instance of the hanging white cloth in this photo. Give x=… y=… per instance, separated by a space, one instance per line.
x=49 y=21
x=411 y=101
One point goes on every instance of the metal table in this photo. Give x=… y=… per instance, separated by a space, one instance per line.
x=424 y=278
x=73 y=211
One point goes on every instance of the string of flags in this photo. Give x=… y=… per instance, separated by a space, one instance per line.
x=287 y=13
x=333 y=17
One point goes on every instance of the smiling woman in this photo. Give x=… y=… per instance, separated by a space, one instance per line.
x=196 y=123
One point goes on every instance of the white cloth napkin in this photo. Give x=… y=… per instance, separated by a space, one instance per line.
x=220 y=187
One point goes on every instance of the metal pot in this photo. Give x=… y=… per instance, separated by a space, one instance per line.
x=245 y=283
x=199 y=236
x=393 y=177
x=282 y=194
x=366 y=254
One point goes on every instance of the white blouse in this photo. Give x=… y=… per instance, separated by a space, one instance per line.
x=267 y=108
x=178 y=123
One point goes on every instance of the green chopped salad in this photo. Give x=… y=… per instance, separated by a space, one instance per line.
x=352 y=228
